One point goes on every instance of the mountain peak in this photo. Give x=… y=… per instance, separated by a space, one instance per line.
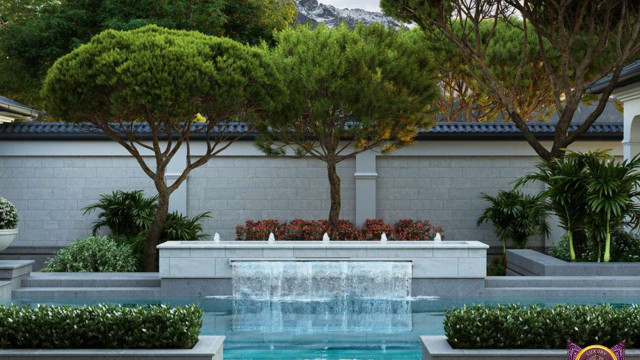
x=313 y=12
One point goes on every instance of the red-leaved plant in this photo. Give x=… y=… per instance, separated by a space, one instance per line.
x=408 y=229
x=372 y=229
x=260 y=229
x=309 y=230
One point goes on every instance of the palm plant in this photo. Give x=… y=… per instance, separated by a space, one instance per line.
x=612 y=194
x=565 y=181
x=515 y=217
x=126 y=214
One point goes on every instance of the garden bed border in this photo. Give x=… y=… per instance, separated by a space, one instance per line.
x=207 y=348
x=532 y=263
x=438 y=348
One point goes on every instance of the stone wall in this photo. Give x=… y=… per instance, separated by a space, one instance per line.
x=438 y=181
x=446 y=190
x=50 y=193
x=236 y=189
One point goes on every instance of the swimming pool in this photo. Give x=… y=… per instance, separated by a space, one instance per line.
x=358 y=329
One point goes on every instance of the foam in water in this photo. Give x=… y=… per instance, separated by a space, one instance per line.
x=321 y=280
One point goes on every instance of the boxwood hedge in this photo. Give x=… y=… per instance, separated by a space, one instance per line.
x=99 y=327
x=535 y=327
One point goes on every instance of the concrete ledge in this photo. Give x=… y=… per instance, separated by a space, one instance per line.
x=533 y=263
x=40 y=254
x=15 y=271
x=437 y=348
x=207 y=348
x=430 y=259
x=5 y=292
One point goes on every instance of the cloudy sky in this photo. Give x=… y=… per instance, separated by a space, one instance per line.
x=370 y=5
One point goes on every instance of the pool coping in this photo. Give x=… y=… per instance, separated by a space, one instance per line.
x=437 y=347
x=207 y=348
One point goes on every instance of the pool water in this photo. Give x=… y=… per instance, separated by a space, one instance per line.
x=349 y=329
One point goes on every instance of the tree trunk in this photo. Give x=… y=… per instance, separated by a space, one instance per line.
x=155 y=230
x=334 y=186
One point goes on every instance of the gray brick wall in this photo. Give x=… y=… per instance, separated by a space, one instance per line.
x=49 y=193
x=446 y=190
x=235 y=189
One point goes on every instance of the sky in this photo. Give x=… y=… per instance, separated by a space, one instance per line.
x=369 y=5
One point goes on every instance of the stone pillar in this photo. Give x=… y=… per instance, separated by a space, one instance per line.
x=366 y=176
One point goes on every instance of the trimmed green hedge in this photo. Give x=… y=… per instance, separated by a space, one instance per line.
x=535 y=327
x=99 y=327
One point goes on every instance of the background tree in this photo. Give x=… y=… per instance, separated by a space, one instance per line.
x=37 y=32
x=577 y=43
x=463 y=99
x=349 y=91
x=123 y=81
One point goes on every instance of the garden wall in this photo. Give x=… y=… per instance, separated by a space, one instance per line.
x=50 y=181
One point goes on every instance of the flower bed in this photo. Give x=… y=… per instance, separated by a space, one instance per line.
x=534 y=327
x=99 y=327
x=372 y=229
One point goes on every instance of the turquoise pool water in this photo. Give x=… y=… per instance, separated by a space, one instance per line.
x=354 y=329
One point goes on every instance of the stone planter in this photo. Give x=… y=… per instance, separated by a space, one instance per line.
x=207 y=348
x=6 y=237
x=533 y=263
x=437 y=348
x=204 y=268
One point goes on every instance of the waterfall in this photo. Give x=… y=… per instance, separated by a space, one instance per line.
x=321 y=280
x=326 y=296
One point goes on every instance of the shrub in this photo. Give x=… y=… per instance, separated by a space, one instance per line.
x=128 y=214
x=408 y=229
x=347 y=231
x=260 y=230
x=534 y=327
x=515 y=217
x=99 y=327
x=497 y=266
x=305 y=230
x=625 y=248
x=372 y=229
x=93 y=254
x=8 y=215
x=314 y=230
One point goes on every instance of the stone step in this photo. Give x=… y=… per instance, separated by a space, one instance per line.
x=560 y=293
x=91 y=280
x=70 y=293
x=562 y=282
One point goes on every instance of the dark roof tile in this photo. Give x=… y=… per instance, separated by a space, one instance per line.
x=443 y=130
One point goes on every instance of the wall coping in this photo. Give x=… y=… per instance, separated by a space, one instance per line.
x=323 y=245
x=530 y=262
x=437 y=347
x=207 y=347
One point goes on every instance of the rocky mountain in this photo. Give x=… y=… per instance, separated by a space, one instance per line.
x=310 y=11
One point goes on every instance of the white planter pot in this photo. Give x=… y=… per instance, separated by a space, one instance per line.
x=6 y=237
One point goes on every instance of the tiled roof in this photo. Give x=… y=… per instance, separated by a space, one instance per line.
x=630 y=74
x=448 y=131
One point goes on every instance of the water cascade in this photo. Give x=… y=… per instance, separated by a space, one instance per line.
x=307 y=296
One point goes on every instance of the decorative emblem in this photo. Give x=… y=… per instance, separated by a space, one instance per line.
x=595 y=352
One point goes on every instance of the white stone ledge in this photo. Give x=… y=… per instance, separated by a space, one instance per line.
x=429 y=259
x=207 y=348
x=438 y=348
x=179 y=245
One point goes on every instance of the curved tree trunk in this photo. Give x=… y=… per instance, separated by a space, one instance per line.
x=334 y=186
x=155 y=230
